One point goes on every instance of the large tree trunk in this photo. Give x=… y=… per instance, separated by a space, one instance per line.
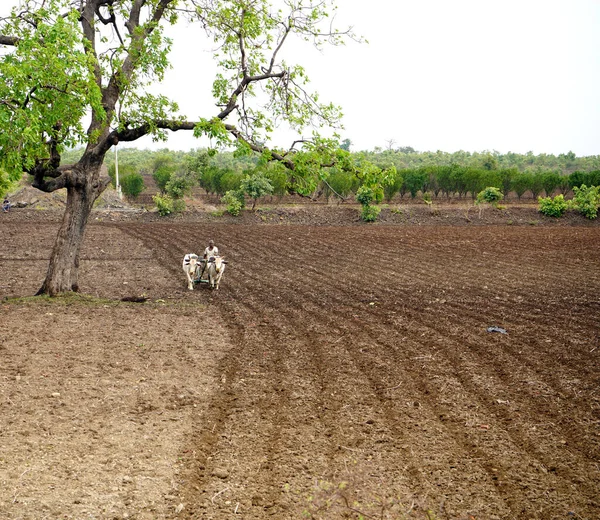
x=62 y=275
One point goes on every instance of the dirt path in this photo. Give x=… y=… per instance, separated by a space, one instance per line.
x=357 y=375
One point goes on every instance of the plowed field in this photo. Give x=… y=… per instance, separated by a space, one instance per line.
x=352 y=372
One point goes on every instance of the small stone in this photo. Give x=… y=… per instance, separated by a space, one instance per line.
x=55 y=394
x=220 y=473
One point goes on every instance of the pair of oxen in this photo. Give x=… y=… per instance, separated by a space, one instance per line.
x=194 y=270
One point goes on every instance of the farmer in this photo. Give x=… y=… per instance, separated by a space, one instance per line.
x=5 y=205
x=210 y=251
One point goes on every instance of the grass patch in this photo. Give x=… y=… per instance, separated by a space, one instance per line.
x=70 y=298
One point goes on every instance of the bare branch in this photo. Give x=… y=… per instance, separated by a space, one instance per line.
x=111 y=20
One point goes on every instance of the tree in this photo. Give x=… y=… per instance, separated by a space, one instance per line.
x=415 y=180
x=256 y=185
x=393 y=186
x=506 y=176
x=132 y=184
x=550 y=181
x=520 y=184
x=536 y=184
x=474 y=181
x=373 y=181
x=346 y=144
x=74 y=62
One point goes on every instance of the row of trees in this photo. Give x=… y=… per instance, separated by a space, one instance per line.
x=407 y=157
x=176 y=173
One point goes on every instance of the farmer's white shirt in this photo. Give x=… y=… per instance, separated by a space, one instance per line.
x=211 y=252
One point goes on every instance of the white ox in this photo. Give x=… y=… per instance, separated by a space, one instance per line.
x=216 y=267
x=190 y=264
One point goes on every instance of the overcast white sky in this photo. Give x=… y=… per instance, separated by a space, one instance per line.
x=473 y=75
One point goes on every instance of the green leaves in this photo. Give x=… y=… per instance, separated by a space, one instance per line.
x=553 y=207
x=490 y=195
x=587 y=200
x=46 y=86
x=253 y=83
x=256 y=186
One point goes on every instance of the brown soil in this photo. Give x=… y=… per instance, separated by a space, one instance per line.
x=341 y=370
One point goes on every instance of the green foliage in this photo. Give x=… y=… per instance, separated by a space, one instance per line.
x=370 y=213
x=6 y=183
x=234 y=201
x=256 y=186
x=415 y=180
x=393 y=187
x=520 y=184
x=550 y=181
x=167 y=205
x=489 y=162
x=580 y=178
x=341 y=182
x=346 y=144
x=536 y=183
x=367 y=195
x=506 y=176
x=474 y=181
x=552 y=207
x=162 y=176
x=132 y=185
x=47 y=85
x=179 y=185
x=276 y=173
x=373 y=180
x=124 y=169
x=215 y=179
x=587 y=200
x=229 y=180
x=490 y=195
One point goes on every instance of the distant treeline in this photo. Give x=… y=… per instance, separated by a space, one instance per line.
x=440 y=174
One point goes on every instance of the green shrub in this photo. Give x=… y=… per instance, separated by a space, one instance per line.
x=490 y=195
x=234 y=201
x=370 y=213
x=587 y=200
x=367 y=194
x=552 y=207
x=179 y=185
x=178 y=206
x=132 y=185
x=167 y=205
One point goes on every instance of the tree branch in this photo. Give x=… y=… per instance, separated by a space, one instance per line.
x=9 y=40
